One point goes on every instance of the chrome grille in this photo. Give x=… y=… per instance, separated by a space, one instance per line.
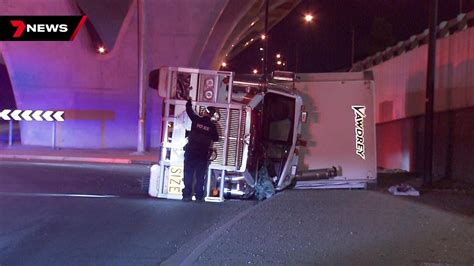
x=234 y=156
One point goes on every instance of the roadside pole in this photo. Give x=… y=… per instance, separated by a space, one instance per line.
x=142 y=86
x=265 y=56
x=430 y=86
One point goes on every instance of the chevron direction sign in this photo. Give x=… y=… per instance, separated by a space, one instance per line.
x=30 y=115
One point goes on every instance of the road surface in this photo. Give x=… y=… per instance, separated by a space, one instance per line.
x=89 y=215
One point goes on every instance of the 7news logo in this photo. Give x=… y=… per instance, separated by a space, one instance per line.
x=40 y=28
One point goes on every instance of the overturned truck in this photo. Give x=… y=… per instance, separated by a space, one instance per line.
x=272 y=135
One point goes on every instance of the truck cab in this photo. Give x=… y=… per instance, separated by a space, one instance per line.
x=259 y=126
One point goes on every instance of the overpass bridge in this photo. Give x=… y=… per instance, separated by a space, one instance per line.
x=100 y=92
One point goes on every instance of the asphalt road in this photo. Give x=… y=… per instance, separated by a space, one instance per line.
x=73 y=178
x=75 y=214
x=344 y=227
x=333 y=227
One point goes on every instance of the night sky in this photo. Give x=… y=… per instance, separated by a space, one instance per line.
x=325 y=44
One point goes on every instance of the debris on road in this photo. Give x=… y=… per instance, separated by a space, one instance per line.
x=403 y=190
x=264 y=187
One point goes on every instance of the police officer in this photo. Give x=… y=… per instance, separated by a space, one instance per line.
x=196 y=155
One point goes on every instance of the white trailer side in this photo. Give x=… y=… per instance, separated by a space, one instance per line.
x=340 y=130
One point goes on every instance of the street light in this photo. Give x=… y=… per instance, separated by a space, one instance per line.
x=308 y=18
x=224 y=64
x=255 y=71
x=101 y=50
x=278 y=56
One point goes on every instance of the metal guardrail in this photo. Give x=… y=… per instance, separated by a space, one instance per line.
x=444 y=29
x=30 y=115
x=53 y=133
x=53 y=117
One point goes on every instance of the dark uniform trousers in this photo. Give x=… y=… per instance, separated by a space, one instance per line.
x=194 y=166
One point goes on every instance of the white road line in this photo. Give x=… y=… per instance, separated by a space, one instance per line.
x=188 y=256
x=56 y=195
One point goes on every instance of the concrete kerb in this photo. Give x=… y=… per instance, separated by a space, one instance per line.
x=66 y=159
x=77 y=156
x=93 y=165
